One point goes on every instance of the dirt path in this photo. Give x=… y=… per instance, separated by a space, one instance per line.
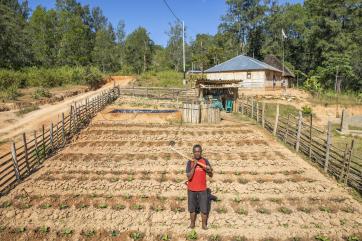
x=47 y=113
x=121 y=180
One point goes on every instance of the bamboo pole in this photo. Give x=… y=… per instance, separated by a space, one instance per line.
x=276 y=121
x=310 y=135
x=36 y=148
x=26 y=153
x=263 y=115
x=328 y=146
x=300 y=118
x=43 y=135
x=15 y=161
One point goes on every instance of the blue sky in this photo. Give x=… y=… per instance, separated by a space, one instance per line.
x=200 y=16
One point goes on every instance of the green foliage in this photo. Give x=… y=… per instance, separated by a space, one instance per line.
x=165 y=237
x=313 y=84
x=306 y=110
x=321 y=238
x=160 y=79
x=41 y=93
x=192 y=235
x=139 y=50
x=136 y=235
x=27 y=109
x=89 y=233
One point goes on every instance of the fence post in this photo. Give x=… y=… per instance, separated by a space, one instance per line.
x=57 y=135
x=252 y=108
x=276 y=121
x=257 y=112
x=63 y=130
x=349 y=162
x=26 y=153
x=286 y=129
x=263 y=115
x=300 y=118
x=343 y=170
x=242 y=108
x=328 y=146
x=15 y=161
x=43 y=129
x=51 y=136
x=310 y=136
x=36 y=148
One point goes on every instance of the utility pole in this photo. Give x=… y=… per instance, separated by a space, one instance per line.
x=183 y=48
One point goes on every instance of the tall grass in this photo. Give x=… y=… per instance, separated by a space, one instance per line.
x=166 y=78
x=329 y=97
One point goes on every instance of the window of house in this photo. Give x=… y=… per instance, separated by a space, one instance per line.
x=248 y=75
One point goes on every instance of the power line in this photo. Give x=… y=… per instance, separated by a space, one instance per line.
x=173 y=13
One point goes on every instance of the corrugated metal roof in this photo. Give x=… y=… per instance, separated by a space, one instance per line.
x=241 y=63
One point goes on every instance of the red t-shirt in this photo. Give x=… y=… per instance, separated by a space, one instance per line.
x=198 y=180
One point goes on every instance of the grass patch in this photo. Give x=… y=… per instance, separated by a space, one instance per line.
x=167 y=78
x=26 y=110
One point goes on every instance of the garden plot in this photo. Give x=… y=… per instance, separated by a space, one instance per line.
x=121 y=181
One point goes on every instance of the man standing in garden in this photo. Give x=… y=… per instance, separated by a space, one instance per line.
x=197 y=195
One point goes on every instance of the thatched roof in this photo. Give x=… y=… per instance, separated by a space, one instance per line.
x=276 y=63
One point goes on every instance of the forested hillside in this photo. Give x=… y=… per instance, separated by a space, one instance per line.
x=78 y=43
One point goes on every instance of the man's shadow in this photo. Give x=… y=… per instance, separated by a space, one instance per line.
x=210 y=198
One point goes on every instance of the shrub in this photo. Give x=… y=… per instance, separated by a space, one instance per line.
x=313 y=84
x=41 y=92
x=306 y=110
x=10 y=93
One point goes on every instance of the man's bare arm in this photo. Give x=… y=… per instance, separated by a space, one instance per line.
x=191 y=173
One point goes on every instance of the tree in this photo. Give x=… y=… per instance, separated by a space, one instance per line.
x=244 y=20
x=104 y=54
x=139 y=50
x=175 y=46
x=75 y=44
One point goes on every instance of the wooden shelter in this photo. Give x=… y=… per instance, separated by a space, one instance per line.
x=222 y=90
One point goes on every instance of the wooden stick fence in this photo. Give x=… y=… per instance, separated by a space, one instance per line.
x=27 y=156
x=311 y=141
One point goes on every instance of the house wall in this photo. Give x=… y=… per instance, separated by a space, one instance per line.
x=259 y=79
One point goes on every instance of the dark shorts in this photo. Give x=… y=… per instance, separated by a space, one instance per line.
x=197 y=201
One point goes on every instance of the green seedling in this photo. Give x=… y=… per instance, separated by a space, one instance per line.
x=304 y=209
x=221 y=210
x=114 y=233
x=25 y=206
x=63 y=206
x=136 y=235
x=113 y=179
x=102 y=205
x=241 y=211
x=243 y=180
x=285 y=210
x=5 y=204
x=89 y=233
x=263 y=210
x=325 y=209
x=348 y=209
x=20 y=229
x=82 y=206
x=353 y=238
x=321 y=238
x=66 y=231
x=136 y=207
x=43 y=229
x=165 y=237
x=119 y=207
x=214 y=238
x=254 y=199
x=180 y=198
x=127 y=196
x=276 y=200
x=45 y=206
x=237 y=200
x=192 y=235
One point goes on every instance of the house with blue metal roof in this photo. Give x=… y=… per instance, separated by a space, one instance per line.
x=251 y=73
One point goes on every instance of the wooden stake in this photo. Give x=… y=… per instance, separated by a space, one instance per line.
x=51 y=136
x=287 y=129
x=300 y=118
x=276 y=121
x=349 y=162
x=15 y=161
x=310 y=136
x=26 y=153
x=63 y=130
x=263 y=115
x=257 y=112
x=252 y=109
x=328 y=146
x=36 y=148
x=43 y=129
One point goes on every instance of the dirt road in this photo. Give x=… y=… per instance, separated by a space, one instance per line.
x=121 y=181
x=47 y=113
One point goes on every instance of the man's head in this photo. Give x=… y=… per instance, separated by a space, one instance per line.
x=197 y=150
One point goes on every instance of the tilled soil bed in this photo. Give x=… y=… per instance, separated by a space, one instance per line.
x=123 y=182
